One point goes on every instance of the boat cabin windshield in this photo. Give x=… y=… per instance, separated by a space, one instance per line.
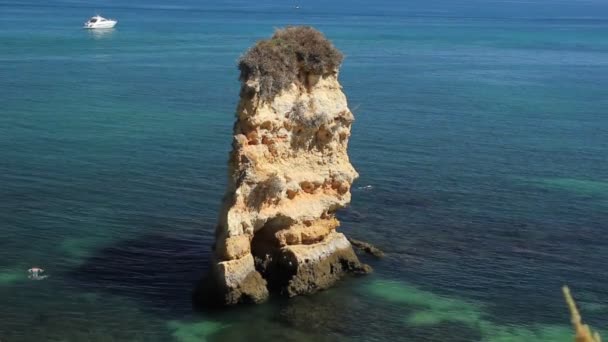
x=93 y=20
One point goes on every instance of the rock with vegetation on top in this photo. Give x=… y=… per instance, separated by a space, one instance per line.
x=289 y=173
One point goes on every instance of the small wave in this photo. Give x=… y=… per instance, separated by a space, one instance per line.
x=364 y=188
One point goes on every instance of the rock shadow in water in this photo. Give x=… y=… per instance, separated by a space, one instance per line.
x=158 y=270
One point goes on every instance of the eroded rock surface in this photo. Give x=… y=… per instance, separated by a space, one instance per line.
x=289 y=173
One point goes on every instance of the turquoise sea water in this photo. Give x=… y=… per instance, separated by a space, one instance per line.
x=481 y=128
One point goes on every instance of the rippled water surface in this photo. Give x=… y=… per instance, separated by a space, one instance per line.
x=481 y=140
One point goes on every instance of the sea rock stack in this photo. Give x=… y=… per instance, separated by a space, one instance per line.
x=289 y=173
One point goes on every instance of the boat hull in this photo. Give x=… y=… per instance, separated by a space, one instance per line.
x=103 y=25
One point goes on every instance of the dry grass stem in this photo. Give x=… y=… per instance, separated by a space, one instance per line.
x=583 y=332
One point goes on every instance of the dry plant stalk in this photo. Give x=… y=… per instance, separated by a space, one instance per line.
x=583 y=332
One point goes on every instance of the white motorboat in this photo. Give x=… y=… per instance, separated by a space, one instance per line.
x=99 y=22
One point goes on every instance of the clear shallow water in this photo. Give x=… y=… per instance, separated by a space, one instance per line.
x=481 y=127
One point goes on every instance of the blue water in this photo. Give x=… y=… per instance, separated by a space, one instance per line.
x=480 y=125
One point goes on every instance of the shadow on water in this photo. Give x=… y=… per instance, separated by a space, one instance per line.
x=157 y=270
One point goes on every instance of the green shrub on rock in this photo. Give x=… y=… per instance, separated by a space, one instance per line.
x=292 y=51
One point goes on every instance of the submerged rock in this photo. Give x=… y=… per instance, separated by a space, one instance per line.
x=367 y=248
x=288 y=174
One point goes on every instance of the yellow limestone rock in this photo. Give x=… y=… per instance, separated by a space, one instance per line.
x=289 y=172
